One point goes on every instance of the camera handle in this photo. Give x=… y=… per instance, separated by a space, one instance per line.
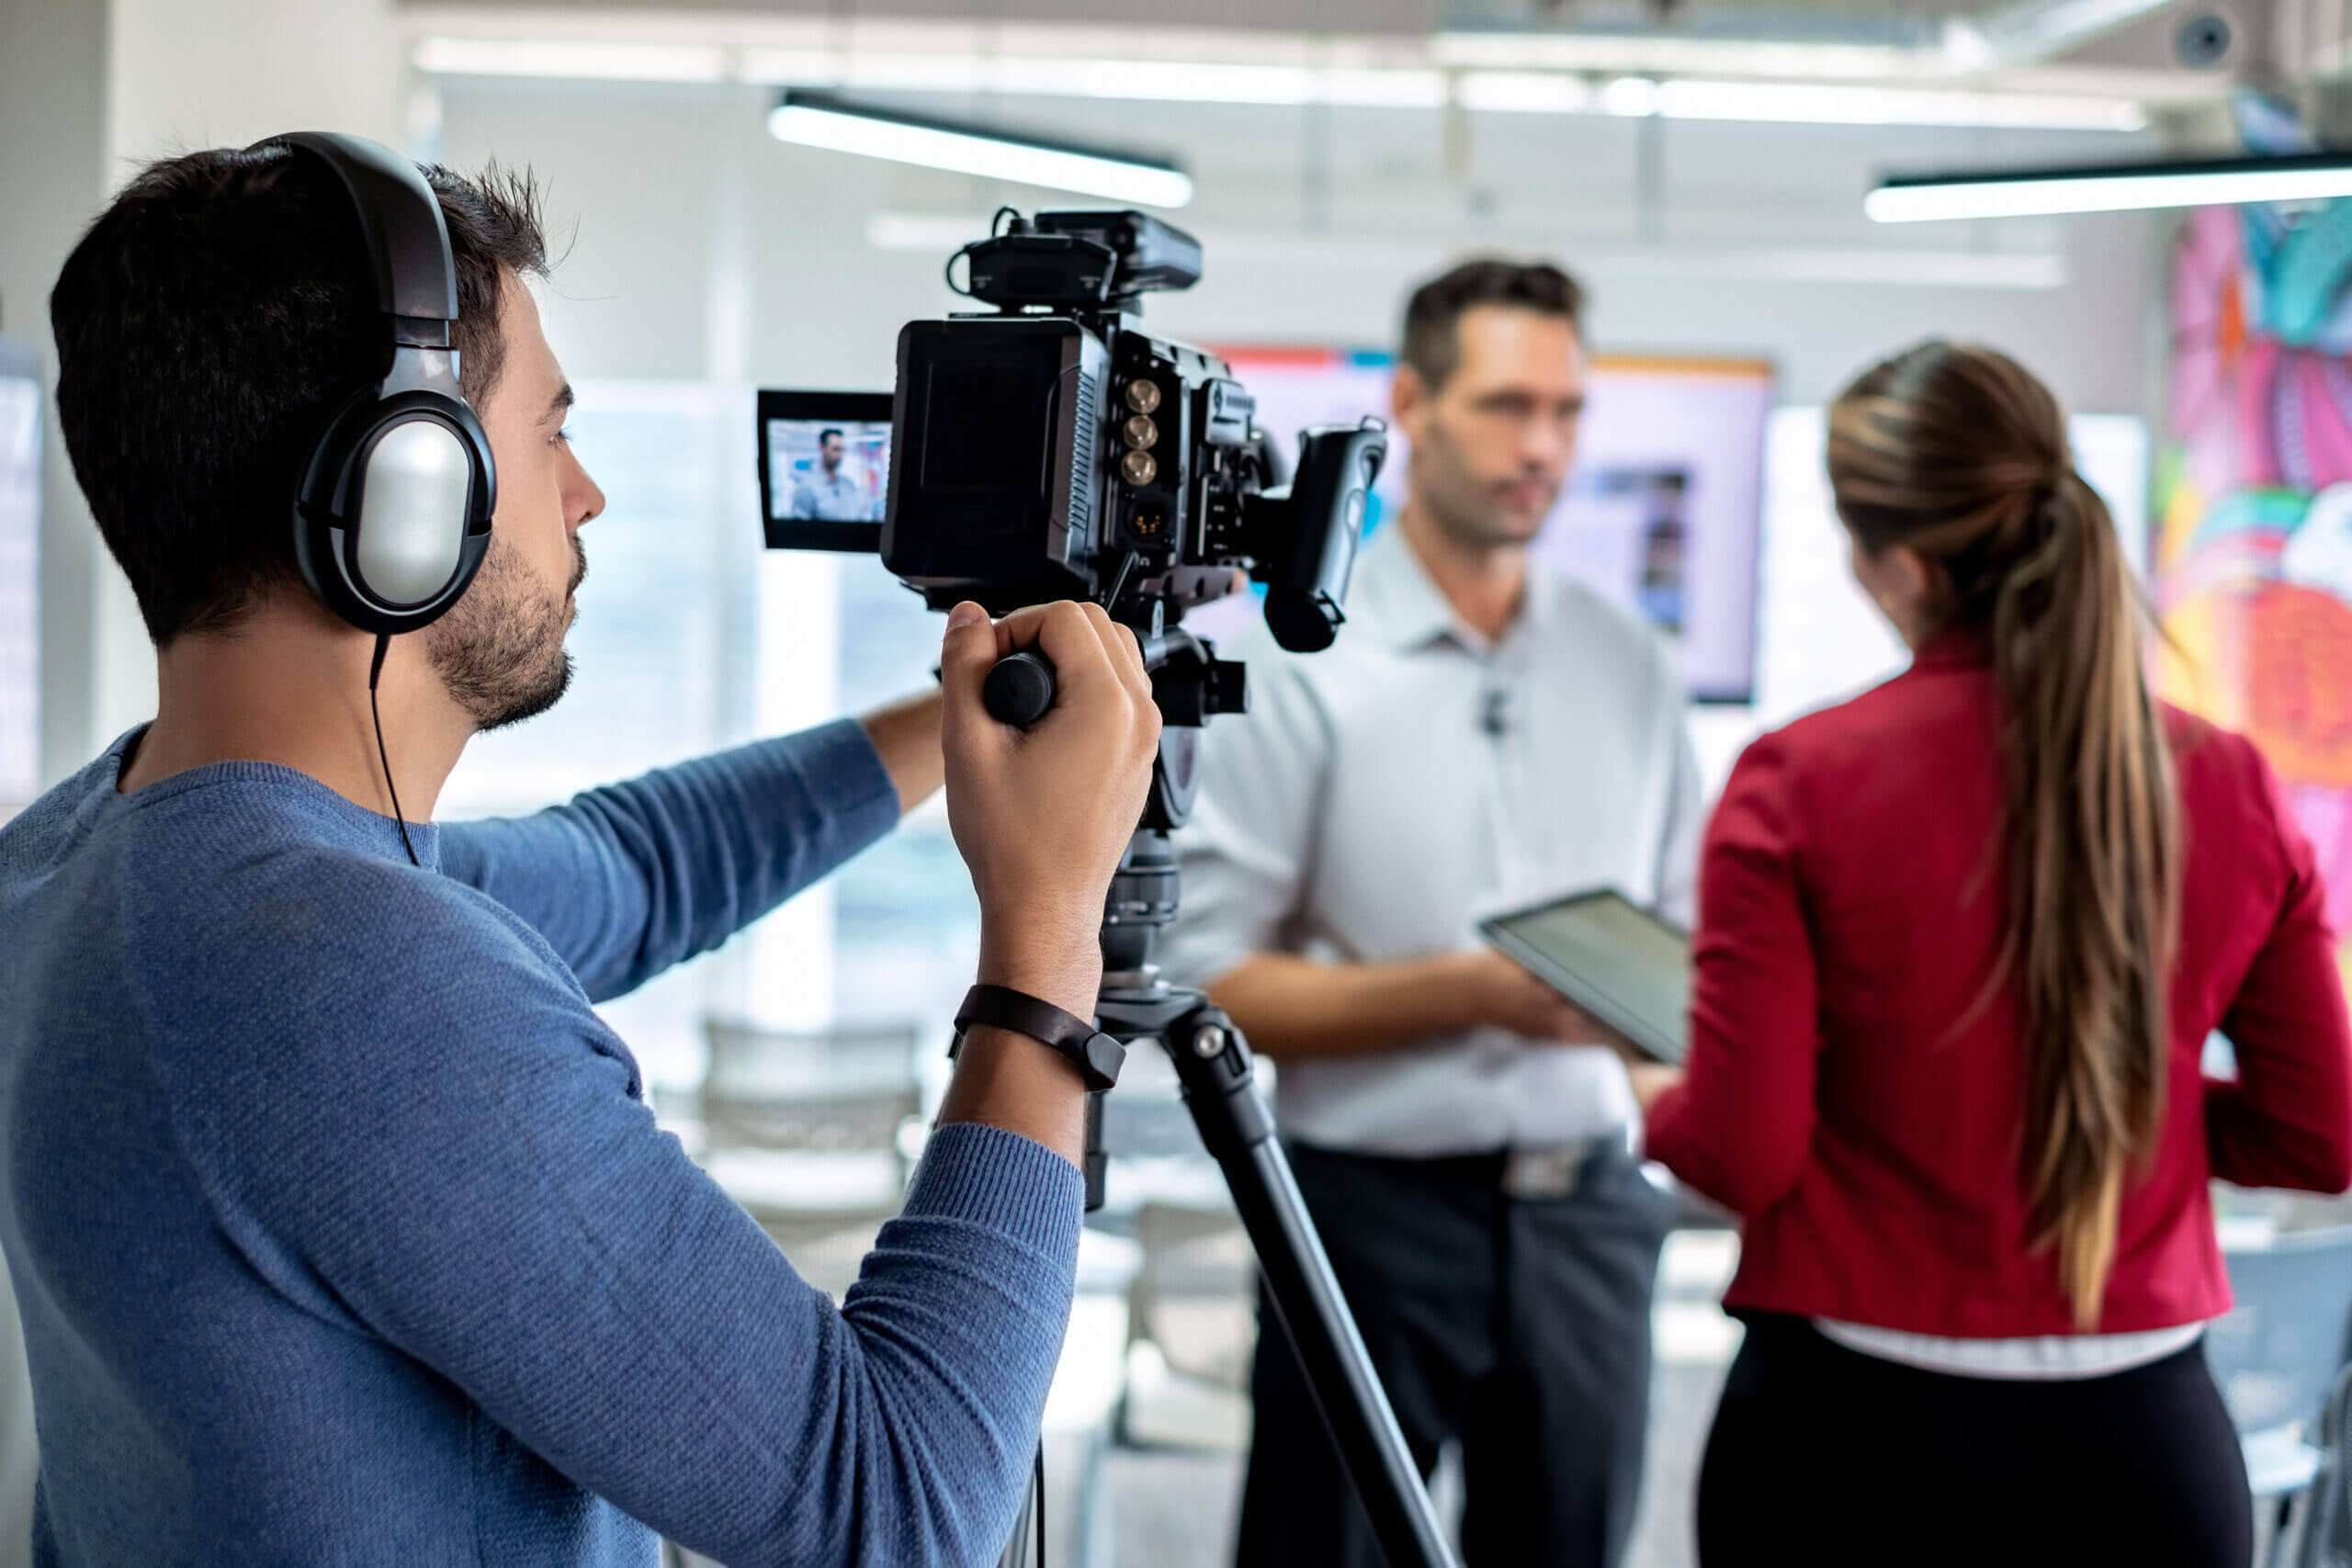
x=1214 y=1069
x=1019 y=689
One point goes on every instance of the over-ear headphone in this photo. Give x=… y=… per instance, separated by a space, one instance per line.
x=392 y=513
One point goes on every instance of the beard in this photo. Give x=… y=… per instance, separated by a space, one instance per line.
x=500 y=652
x=1466 y=508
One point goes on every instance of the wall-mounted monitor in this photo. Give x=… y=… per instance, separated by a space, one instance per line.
x=1661 y=512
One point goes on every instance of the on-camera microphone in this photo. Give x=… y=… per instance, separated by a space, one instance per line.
x=1494 y=714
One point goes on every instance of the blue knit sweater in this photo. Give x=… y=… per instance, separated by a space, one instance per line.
x=343 y=1234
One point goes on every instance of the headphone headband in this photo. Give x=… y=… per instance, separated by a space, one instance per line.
x=400 y=218
x=392 y=513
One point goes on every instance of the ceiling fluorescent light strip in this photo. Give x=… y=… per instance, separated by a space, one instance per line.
x=1523 y=92
x=576 y=59
x=1651 y=54
x=817 y=119
x=2032 y=193
x=1166 y=81
x=1827 y=104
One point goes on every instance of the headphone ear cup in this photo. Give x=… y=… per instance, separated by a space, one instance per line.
x=391 y=518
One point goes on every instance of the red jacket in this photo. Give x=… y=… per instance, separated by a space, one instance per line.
x=1843 y=1103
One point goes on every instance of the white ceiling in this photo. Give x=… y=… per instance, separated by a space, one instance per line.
x=1414 y=53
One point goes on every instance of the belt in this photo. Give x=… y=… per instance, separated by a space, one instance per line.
x=1532 y=1172
x=1540 y=1172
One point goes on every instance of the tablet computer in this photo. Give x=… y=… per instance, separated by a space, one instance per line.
x=1627 y=968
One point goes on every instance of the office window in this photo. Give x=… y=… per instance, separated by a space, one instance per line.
x=665 y=621
x=691 y=637
x=20 y=442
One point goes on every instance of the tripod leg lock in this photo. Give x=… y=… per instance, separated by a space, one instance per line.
x=1214 y=1064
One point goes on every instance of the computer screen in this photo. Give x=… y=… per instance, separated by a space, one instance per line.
x=824 y=469
x=1661 y=512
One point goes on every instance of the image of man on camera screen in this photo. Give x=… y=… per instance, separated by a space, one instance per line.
x=829 y=491
x=342 y=1228
x=1487 y=734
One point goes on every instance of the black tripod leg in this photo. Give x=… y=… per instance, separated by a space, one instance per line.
x=1213 y=1064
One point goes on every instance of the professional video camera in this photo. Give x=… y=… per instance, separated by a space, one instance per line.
x=1051 y=449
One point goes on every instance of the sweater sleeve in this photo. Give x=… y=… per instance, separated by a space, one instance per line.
x=627 y=880
x=1740 y=1128
x=2287 y=1121
x=500 y=1206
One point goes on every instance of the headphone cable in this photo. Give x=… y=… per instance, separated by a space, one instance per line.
x=375 y=669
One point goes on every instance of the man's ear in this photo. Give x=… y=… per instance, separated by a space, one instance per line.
x=1408 y=401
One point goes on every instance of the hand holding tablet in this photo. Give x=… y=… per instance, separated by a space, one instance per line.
x=1622 y=965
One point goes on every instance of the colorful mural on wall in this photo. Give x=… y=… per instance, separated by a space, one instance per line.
x=2252 y=553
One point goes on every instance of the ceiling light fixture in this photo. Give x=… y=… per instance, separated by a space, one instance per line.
x=2030 y=193
x=821 y=120
x=589 y=60
x=1816 y=103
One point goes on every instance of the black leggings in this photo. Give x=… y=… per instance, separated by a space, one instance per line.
x=1824 y=1456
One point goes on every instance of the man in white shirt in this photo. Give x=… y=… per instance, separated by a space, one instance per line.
x=1485 y=734
x=829 y=493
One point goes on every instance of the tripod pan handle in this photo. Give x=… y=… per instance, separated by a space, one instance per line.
x=1020 y=689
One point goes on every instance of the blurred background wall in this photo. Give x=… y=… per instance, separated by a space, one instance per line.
x=1701 y=164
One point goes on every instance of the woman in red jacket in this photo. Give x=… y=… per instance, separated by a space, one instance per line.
x=1961 y=941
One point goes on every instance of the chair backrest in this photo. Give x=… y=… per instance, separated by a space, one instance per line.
x=2277 y=1354
x=2325 y=1539
x=839 y=1091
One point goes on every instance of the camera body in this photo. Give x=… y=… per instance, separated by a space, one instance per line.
x=1053 y=449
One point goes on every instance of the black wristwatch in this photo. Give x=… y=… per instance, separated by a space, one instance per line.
x=1095 y=1055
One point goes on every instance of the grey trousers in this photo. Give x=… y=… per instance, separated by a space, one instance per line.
x=1519 y=1328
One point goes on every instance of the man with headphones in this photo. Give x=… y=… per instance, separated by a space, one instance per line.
x=340 y=1227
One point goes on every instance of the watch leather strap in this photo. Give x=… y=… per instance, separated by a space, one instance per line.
x=1095 y=1055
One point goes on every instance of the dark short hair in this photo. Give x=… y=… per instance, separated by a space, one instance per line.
x=209 y=325
x=1432 y=346
x=829 y=431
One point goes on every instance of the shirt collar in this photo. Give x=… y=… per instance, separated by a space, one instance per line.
x=102 y=780
x=1400 y=604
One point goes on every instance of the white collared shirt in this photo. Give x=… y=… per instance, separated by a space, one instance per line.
x=1367 y=810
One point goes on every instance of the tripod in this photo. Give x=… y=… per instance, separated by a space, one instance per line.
x=1214 y=1067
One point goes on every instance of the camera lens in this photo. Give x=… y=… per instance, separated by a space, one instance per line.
x=1141 y=431
x=1143 y=396
x=1138 y=467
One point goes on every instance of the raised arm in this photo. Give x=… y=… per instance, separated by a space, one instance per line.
x=1740 y=1126
x=627 y=880
x=505 y=1212
x=2287 y=1121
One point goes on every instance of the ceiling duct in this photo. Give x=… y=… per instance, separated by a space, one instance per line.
x=2027 y=32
